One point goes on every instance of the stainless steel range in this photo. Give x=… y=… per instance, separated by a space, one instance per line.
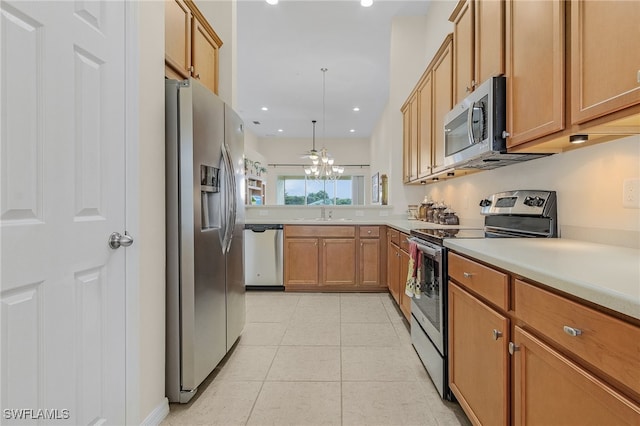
x=510 y=214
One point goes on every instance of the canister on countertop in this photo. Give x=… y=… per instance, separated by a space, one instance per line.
x=412 y=211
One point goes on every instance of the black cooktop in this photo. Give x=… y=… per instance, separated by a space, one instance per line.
x=437 y=235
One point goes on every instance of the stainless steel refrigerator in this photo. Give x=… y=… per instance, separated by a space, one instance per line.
x=205 y=221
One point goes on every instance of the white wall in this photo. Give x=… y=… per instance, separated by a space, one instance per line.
x=222 y=17
x=151 y=234
x=414 y=41
x=588 y=182
x=289 y=151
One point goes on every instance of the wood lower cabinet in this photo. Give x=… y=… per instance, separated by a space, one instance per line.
x=551 y=389
x=405 y=301
x=302 y=265
x=338 y=261
x=334 y=258
x=537 y=357
x=393 y=270
x=603 y=36
x=478 y=358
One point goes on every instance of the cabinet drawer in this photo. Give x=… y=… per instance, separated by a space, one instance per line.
x=487 y=282
x=393 y=235
x=608 y=343
x=319 y=231
x=369 y=232
x=404 y=244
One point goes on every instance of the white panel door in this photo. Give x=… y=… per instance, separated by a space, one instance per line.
x=62 y=176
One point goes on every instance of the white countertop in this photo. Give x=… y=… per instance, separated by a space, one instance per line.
x=606 y=275
x=403 y=225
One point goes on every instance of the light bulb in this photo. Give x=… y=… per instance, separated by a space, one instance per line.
x=314 y=161
x=325 y=159
x=307 y=171
x=330 y=161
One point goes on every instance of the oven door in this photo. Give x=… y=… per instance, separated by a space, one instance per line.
x=428 y=310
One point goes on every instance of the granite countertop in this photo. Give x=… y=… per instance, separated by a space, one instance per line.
x=603 y=274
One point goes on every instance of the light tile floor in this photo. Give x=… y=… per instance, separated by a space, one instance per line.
x=319 y=359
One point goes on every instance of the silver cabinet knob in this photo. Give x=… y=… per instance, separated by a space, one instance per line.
x=116 y=240
x=505 y=134
x=496 y=334
x=572 y=331
x=513 y=348
x=467 y=274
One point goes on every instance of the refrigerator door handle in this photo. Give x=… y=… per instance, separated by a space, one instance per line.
x=230 y=191
x=227 y=198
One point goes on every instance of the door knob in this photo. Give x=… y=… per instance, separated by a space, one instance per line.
x=116 y=240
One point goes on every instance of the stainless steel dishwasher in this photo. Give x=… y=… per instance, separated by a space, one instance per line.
x=263 y=257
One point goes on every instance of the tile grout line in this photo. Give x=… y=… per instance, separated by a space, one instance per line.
x=341 y=376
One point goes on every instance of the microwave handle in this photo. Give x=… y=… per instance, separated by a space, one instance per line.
x=470 y=124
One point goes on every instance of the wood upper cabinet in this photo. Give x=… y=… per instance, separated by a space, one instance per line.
x=442 y=101
x=478 y=358
x=464 y=80
x=551 y=389
x=423 y=116
x=177 y=46
x=478 y=44
x=302 y=265
x=425 y=128
x=605 y=63
x=191 y=44
x=205 y=56
x=410 y=139
x=535 y=70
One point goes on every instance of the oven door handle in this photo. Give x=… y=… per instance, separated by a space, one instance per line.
x=434 y=253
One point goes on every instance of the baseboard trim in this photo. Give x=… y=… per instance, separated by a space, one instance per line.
x=158 y=414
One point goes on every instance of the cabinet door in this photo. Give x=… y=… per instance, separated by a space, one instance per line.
x=339 y=261
x=205 y=56
x=605 y=65
x=463 y=52
x=177 y=22
x=425 y=129
x=301 y=257
x=393 y=270
x=478 y=358
x=405 y=301
x=550 y=389
x=535 y=69
x=406 y=141
x=489 y=39
x=370 y=262
x=442 y=101
x=413 y=138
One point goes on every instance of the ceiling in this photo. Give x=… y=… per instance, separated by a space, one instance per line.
x=282 y=48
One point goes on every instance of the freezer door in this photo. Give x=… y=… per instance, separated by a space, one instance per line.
x=236 y=311
x=203 y=302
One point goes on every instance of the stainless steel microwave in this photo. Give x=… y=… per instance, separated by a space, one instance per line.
x=475 y=130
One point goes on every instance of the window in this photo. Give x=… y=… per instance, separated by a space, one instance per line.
x=302 y=190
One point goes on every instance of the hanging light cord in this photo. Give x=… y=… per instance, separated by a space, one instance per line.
x=324 y=92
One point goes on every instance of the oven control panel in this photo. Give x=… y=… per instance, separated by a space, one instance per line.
x=519 y=202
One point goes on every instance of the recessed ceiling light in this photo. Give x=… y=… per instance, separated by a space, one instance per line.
x=280 y=130
x=264 y=109
x=356 y=109
x=272 y=2
x=366 y=3
x=352 y=130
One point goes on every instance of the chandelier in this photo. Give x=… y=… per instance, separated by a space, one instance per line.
x=322 y=163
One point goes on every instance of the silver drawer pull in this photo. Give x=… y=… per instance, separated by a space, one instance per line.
x=496 y=334
x=572 y=331
x=513 y=348
x=467 y=274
